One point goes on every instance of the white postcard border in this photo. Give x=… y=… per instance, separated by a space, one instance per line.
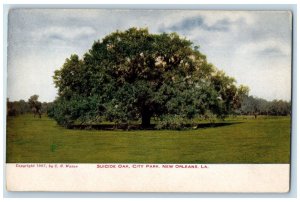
x=237 y=178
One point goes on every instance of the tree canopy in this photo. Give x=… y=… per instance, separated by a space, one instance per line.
x=135 y=75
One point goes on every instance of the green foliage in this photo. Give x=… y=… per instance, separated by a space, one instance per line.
x=22 y=107
x=35 y=105
x=230 y=96
x=133 y=75
x=17 y=107
x=171 y=122
x=258 y=106
x=33 y=102
x=279 y=108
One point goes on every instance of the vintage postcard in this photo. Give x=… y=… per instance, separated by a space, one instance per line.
x=106 y=100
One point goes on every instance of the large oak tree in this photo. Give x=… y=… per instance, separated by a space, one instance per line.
x=133 y=74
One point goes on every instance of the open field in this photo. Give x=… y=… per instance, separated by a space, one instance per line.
x=262 y=140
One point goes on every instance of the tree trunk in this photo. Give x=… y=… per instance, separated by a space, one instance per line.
x=146 y=119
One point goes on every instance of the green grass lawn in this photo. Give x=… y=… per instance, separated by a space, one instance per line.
x=34 y=140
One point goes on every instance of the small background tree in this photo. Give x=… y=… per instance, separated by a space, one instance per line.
x=35 y=105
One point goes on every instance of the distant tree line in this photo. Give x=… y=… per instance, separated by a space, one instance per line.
x=32 y=105
x=249 y=106
x=258 y=106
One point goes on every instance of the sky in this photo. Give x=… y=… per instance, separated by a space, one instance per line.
x=254 y=47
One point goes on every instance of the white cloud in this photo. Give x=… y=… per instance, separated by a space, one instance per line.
x=270 y=47
x=63 y=33
x=211 y=17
